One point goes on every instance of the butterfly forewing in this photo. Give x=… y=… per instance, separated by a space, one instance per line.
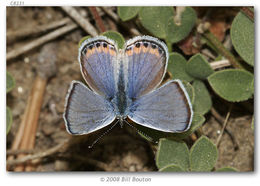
x=146 y=59
x=98 y=58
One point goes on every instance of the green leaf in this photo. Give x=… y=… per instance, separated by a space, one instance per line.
x=197 y=121
x=171 y=168
x=10 y=82
x=172 y=152
x=202 y=103
x=9 y=119
x=177 y=67
x=180 y=25
x=253 y=123
x=243 y=37
x=127 y=12
x=116 y=36
x=203 y=155
x=83 y=39
x=233 y=84
x=227 y=169
x=190 y=90
x=155 y=19
x=198 y=67
x=148 y=133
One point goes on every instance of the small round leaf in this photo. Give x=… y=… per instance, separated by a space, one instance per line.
x=243 y=37
x=253 y=123
x=9 y=119
x=127 y=12
x=180 y=25
x=233 y=84
x=177 y=67
x=116 y=36
x=10 y=82
x=171 y=168
x=202 y=103
x=203 y=155
x=198 y=67
x=155 y=19
x=227 y=169
x=190 y=90
x=151 y=135
x=172 y=152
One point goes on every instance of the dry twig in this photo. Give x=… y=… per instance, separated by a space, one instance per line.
x=220 y=64
x=43 y=154
x=19 y=151
x=46 y=68
x=12 y=36
x=32 y=118
x=19 y=135
x=221 y=120
x=249 y=12
x=37 y=42
x=97 y=18
x=80 y=20
x=224 y=126
x=222 y=50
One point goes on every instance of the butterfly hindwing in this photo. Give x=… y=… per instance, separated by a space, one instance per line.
x=167 y=108
x=86 y=111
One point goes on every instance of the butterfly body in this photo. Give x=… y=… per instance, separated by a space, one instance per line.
x=124 y=83
x=121 y=102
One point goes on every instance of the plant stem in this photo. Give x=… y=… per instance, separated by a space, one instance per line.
x=248 y=12
x=213 y=40
x=97 y=18
x=224 y=125
x=40 y=41
x=80 y=20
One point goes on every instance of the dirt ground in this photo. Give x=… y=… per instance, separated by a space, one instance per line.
x=120 y=150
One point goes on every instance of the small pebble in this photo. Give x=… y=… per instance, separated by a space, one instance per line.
x=20 y=90
x=132 y=168
x=60 y=165
x=26 y=60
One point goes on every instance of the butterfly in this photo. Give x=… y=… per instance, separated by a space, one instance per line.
x=125 y=84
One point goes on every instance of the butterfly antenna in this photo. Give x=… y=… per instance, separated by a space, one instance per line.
x=102 y=135
x=149 y=137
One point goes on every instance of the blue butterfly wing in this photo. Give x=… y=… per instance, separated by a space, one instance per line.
x=146 y=58
x=98 y=58
x=86 y=111
x=167 y=108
